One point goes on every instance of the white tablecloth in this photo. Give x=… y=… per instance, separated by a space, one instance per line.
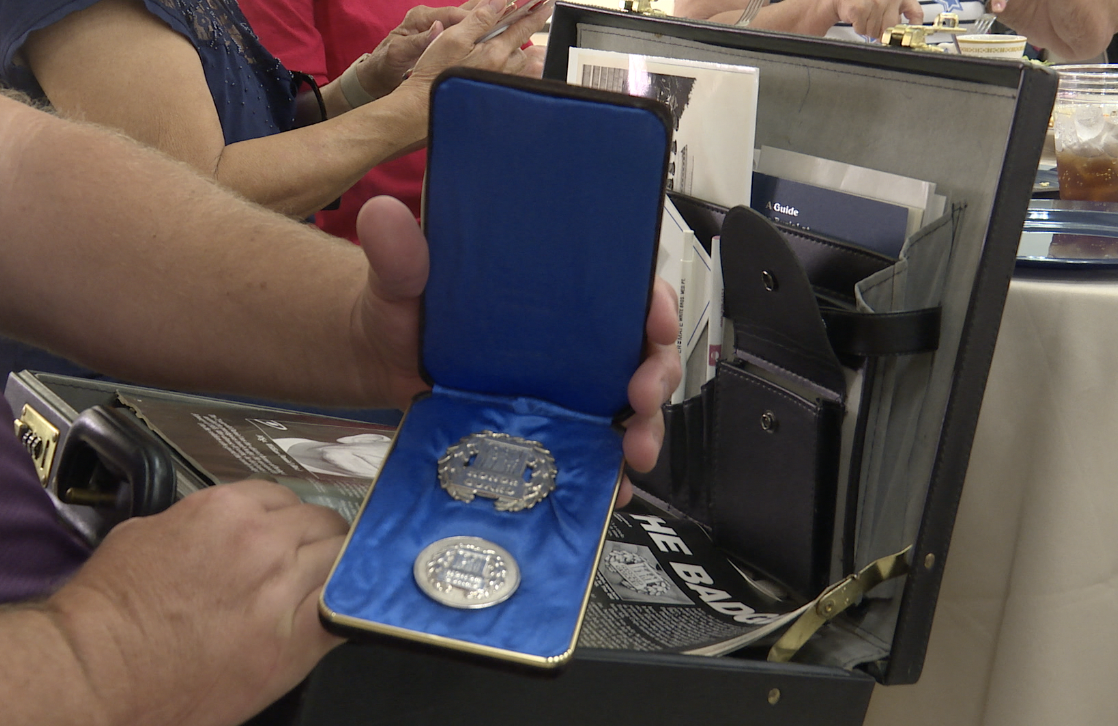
x=1026 y=630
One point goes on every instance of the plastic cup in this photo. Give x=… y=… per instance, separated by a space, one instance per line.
x=1085 y=122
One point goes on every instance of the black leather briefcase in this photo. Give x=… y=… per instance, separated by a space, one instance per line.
x=880 y=476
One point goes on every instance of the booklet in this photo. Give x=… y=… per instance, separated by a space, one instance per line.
x=713 y=105
x=918 y=196
x=870 y=223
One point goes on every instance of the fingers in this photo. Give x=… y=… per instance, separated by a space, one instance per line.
x=312 y=523
x=314 y=563
x=410 y=46
x=654 y=380
x=308 y=630
x=534 y=59
x=269 y=495
x=482 y=18
x=914 y=12
x=643 y=438
x=420 y=19
x=395 y=248
x=867 y=18
x=447 y=16
x=624 y=492
x=522 y=30
x=662 y=326
x=659 y=374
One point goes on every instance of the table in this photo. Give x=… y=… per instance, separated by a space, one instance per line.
x=1026 y=629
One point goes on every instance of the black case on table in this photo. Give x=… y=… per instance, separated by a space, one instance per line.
x=981 y=126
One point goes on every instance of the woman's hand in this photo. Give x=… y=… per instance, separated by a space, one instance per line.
x=458 y=45
x=382 y=70
x=870 y=18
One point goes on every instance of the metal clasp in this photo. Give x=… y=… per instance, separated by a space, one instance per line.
x=915 y=36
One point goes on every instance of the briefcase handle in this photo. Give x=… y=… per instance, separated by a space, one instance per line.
x=112 y=462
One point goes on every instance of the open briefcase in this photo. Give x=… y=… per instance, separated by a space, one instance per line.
x=897 y=464
x=973 y=127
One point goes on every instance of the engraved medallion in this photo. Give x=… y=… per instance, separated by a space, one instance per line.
x=516 y=472
x=466 y=572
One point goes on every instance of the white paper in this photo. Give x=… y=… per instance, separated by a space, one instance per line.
x=696 y=317
x=714 y=107
x=717 y=320
x=676 y=239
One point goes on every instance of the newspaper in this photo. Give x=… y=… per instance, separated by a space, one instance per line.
x=661 y=585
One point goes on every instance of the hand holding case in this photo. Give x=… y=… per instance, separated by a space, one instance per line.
x=533 y=324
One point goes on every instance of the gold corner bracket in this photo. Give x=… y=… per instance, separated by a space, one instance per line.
x=836 y=599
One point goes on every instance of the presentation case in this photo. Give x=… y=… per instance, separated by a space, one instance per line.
x=976 y=129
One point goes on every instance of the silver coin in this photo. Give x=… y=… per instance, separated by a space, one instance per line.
x=516 y=472
x=466 y=572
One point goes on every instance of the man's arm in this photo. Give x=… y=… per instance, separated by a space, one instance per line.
x=810 y=17
x=134 y=265
x=1072 y=29
x=201 y=615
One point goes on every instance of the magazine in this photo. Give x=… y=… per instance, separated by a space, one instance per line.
x=713 y=107
x=325 y=461
x=662 y=586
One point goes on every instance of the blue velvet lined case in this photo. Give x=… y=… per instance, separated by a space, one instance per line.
x=543 y=205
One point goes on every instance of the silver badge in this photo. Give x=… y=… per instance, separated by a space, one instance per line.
x=514 y=471
x=636 y=572
x=466 y=572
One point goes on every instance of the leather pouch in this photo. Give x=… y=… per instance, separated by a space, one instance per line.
x=755 y=457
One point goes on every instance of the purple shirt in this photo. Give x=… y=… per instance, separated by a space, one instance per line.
x=37 y=552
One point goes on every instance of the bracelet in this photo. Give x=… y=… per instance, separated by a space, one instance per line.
x=355 y=94
x=301 y=113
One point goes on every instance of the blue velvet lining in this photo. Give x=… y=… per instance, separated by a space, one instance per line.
x=555 y=543
x=542 y=215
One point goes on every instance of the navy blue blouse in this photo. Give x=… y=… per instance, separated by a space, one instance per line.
x=253 y=92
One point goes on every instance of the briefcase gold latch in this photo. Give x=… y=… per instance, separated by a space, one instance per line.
x=642 y=7
x=915 y=36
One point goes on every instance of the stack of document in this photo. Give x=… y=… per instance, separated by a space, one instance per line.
x=696 y=276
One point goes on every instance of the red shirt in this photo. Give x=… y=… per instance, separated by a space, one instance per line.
x=322 y=38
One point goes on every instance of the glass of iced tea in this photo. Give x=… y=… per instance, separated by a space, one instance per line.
x=1085 y=121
